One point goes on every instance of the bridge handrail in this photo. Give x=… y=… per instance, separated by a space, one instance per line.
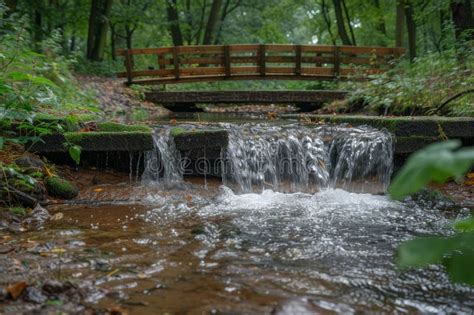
x=179 y=64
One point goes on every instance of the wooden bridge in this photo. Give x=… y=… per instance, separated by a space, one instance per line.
x=182 y=64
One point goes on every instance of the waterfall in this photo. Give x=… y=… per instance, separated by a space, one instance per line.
x=296 y=158
x=288 y=158
x=162 y=164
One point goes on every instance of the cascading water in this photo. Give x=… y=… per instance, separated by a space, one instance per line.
x=296 y=158
x=162 y=163
x=288 y=158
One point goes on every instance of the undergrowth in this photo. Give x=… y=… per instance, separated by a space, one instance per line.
x=419 y=88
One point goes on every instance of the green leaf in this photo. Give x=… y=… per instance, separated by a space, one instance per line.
x=2 y=142
x=436 y=162
x=422 y=251
x=75 y=153
x=465 y=225
x=460 y=267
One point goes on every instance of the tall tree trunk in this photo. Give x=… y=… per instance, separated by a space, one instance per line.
x=340 y=23
x=411 y=29
x=113 y=36
x=93 y=17
x=400 y=20
x=327 y=20
x=380 y=23
x=212 y=22
x=173 y=22
x=463 y=21
x=37 y=29
x=11 y=6
x=101 y=26
x=197 y=35
x=349 y=22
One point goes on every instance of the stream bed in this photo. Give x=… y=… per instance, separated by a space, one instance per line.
x=318 y=242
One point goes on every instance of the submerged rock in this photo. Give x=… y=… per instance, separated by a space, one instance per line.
x=62 y=188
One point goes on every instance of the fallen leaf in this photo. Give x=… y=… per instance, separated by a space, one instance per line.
x=16 y=289
x=189 y=198
x=117 y=310
x=470 y=175
x=57 y=216
x=99 y=189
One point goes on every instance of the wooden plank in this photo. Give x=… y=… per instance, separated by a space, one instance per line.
x=283 y=70
x=298 y=60
x=319 y=48
x=261 y=59
x=293 y=96
x=144 y=51
x=281 y=59
x=205 y=49
x=336 y=62
x=148 y=73
x=201 y=71
x=201 y=60
x=227 y=63
x=176 y=62
x=244 y=59
x=244 y=48
x=317 y=71
x=280 y=48
x=129 y=66
x=240 y=70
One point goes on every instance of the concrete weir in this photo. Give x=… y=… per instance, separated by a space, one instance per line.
x=122 y=147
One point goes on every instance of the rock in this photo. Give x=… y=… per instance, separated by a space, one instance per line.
x=52 y=287
x=30 y=162
x=59 y=187
x=296 y=307
x=34 y=295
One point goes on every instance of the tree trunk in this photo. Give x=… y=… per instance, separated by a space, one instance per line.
x=400 y=20
x=411 y=29
x=349 y=22
x=101 y=25
x=327 y=20
x=340 y=23
x=112 y=41
x=380 y=23
x=463 y=20
x=173 y=22
x=37 y=29
x=212 y=22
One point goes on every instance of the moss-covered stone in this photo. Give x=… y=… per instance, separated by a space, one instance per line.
x=111 y=141
x=428 y=126
x=59 y=187
x=117 y=127
x=199 y=138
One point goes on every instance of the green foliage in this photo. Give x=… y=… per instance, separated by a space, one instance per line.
x=117 y=127
x=18 y=211
x=59 y=187
x=437 y=162
x=75 y=153
x=32 y=84
x=419 y=88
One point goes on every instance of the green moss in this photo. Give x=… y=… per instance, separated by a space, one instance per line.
x=116 y=127
x=59 y=187
x=176 y=131
x=18 y=211
x=111 y=141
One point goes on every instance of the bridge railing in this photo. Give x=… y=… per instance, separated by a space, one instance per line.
x=182 y=64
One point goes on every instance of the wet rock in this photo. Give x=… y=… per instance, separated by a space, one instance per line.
x=297 y=307
x=38 y=216
x=59 y=187
x=52 y=287
x=34 y=295
x=30 y=163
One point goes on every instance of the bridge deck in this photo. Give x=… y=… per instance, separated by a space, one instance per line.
x=181 y=64
x=276 y=97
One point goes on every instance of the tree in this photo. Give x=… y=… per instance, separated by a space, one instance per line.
x=462 y=19
x=98 y=25
x=173 y=22
x=400 y=20
x=340 y=23
x=212 y=20
x=411 y=30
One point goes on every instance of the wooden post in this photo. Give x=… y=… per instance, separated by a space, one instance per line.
x=176 y=62
x=129 y=66
x=336 y=62
x=318 y=55
x=298 y=60
x=161 y=60
x=262 y=59
x=227 y=61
